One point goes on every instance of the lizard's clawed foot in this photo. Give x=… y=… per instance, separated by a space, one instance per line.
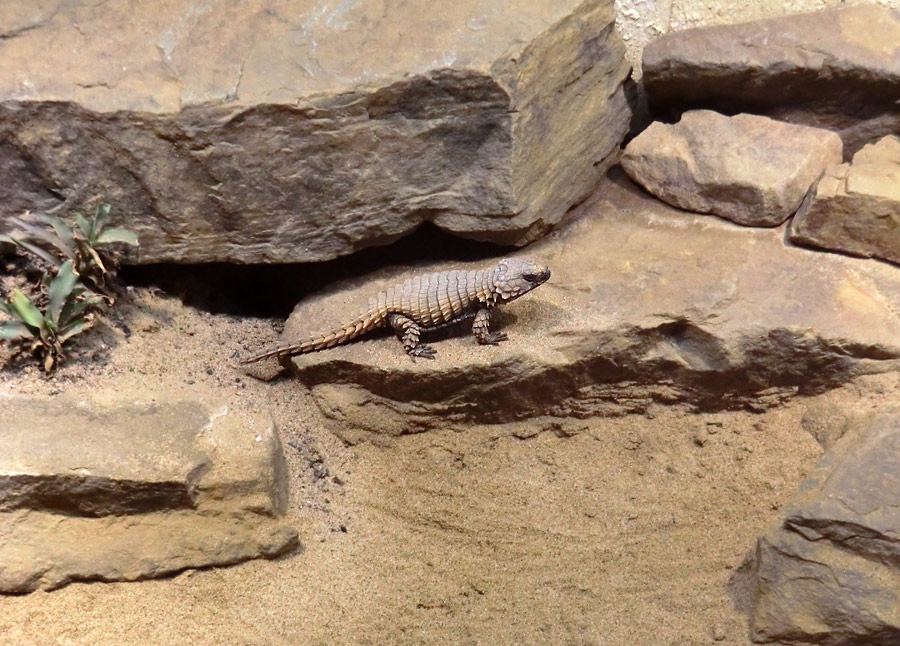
x=422 y=351
x=494 y=338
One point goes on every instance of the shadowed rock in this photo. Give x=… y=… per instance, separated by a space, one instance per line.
x=134 y=491
x=291 y=132
x=829 y=572
x=837 y=69
x=646 y=304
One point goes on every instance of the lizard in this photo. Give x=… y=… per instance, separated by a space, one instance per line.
x=429 y=301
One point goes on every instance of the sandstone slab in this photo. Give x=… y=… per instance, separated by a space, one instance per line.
x=749 y=169
x=298 y=131
x=646 y=304
x=856 y=207
x=80 y=461
x=133 y=491
x=829 y=572
x=836 y=69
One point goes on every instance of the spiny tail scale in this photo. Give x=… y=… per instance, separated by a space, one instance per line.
x=362 y=324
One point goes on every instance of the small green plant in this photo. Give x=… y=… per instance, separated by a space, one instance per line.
x=87 y=245
x=66 y=314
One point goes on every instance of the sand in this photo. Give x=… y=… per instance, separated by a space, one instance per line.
x=629 y=530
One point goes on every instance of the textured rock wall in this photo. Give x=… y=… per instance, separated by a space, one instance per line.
x=300 y=131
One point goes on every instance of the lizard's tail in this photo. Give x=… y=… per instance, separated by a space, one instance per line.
x=323 y=341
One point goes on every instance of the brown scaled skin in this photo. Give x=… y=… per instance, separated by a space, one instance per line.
x=428 y=301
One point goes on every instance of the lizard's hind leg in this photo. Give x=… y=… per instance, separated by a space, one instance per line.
x=408 y=332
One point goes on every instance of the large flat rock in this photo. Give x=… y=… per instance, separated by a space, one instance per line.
x=837 y=69
x=300 y=131
x=856 y=207
x=646 y=304
x=829 y=572
x=133 y=491
x=748 y=169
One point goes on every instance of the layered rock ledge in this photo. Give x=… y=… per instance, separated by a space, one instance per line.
x=134 y=491
x=836 y=69
x=293 y=132
x=646 y=304
x=829 y=571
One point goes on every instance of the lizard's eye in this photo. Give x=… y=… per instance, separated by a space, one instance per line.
x=530 y=277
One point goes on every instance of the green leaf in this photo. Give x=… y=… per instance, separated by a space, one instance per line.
x=73 y=308
x=60 y=291
x=4 y=307
x=63 y=230
x=38 y=251
x=99 y=221
x=84 y=225
x=32 y=232
x=76 y=327
x=10 y=330
x=26 y=311
x=118 y=235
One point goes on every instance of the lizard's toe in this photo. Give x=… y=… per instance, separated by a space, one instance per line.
x=494 y=338
x=422 y=352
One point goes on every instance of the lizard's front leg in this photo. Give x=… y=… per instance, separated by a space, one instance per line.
x=408 y=332
x=481 y=328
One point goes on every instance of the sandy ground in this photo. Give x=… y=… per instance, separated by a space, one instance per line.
x=627 y=530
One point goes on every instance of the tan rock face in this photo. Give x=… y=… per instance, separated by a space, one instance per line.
x=646 y=304
x=856 y=207
x=828 y=572
x=837 y=69
x=749 y=169
x=113 y=462
x=133 y=491
x=295 y=132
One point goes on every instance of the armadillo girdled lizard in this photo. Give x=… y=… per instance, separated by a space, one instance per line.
x=429 y=301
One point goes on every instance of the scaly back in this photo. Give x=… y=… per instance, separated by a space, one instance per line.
x=436 y=298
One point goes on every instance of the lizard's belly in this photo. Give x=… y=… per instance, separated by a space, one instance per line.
x=438 y=322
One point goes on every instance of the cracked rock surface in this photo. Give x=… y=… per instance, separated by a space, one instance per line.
x=829 y=572
x=133 y=491
x=856 y=207
x=300 y=131
x=836 y=69
x=646 y=304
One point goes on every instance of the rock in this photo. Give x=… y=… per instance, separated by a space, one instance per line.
x=134 y=491
x=646 y=304
x=247 y=134
x=129 y=461
x=826 y=422
x=856 y=207
x=829 y=572
x=836 y=69
x=749 y=169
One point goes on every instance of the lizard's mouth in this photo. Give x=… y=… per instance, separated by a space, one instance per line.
x=538 y=277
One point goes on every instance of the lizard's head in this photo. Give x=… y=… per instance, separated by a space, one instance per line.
x=516 y=276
